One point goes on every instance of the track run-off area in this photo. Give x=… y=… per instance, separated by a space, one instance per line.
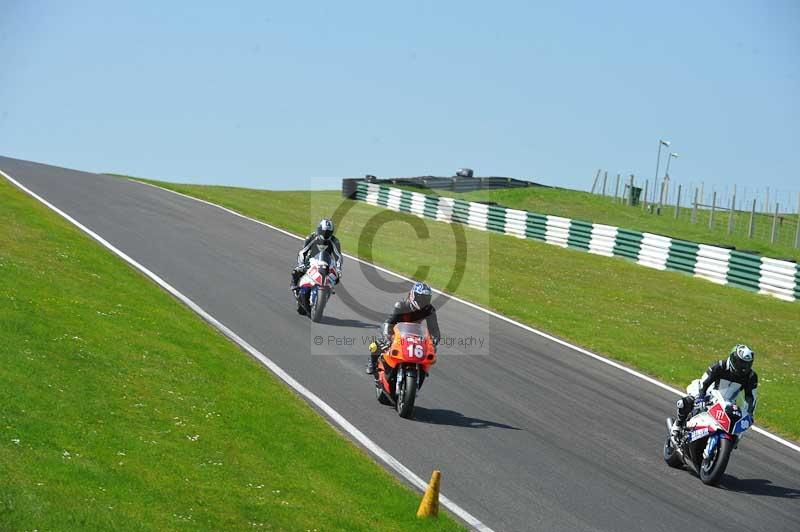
x=533 y=434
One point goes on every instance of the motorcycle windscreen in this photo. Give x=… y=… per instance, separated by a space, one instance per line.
x=406 y=329
x=323 y=258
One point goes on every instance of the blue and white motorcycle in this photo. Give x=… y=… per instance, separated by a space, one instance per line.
x=710 y=435
x=316 y=286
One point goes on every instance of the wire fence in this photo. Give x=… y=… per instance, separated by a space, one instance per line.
x=757 y=213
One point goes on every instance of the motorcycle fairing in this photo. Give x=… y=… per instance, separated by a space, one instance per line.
x=721 y=418
x=411 y=344
x=743 y=424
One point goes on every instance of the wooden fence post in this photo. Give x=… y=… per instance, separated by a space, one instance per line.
x=644 y=197
x=678 y=203
x=694 y=205
x=596 y=178
x=730 y=214
x=751 y=226
x=713 y=208
x=774 y=225
x=797 y=231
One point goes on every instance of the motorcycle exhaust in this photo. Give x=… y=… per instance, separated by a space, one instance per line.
x=675 y=444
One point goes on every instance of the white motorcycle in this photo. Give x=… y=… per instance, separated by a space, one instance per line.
x=708 y=439
x=316 y=286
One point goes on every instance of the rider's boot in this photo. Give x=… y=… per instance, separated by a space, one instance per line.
x=296 y=274
x=677 y=427
x=372 y=365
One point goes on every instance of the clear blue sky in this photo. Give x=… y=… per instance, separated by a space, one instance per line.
x=271 y=94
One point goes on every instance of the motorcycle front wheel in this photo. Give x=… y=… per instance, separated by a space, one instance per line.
x=713 y=467
x=407 y=394
x=319 y=306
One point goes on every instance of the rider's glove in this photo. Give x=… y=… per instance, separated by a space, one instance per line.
x=378 y=346
x=700 y=403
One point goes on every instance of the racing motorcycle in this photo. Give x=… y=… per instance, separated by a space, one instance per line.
x=403 y=366
x=316 y=286
x=708 y=439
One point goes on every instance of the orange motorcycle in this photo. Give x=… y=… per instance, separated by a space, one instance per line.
x=403 y=366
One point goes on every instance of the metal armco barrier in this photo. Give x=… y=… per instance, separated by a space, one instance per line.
x=457 y=183
x=778 y=278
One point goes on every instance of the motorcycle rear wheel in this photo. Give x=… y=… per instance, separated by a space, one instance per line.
x=671 y=456
x=712 y=469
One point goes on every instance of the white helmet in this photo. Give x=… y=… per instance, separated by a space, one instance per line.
x=325 y=229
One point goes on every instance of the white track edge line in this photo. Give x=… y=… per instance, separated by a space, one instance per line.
x=528 y=328
x=335 y=416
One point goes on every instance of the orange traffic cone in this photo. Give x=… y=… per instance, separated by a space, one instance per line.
x=429 y=507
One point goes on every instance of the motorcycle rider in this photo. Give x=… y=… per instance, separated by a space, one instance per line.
x=414 y=308
x=729 y=377
x=321 y=239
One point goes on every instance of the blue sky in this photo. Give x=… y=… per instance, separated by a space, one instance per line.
x=273 y=95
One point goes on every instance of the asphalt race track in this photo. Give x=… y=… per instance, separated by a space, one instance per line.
x=533 y=436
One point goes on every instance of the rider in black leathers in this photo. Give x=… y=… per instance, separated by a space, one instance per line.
x=414 y=308
x=730 y=377
x=321 y=239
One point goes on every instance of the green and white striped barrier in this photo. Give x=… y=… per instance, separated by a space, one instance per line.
x=753 y=272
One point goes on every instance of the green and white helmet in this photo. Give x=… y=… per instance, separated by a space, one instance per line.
x=740 y=361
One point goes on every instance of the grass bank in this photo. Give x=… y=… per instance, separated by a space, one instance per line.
x=598 y=209
x=666 y=324
x=121 y=410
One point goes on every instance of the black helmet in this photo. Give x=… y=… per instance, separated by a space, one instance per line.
x=419 y=296
x=740 y=361
x=325 y=229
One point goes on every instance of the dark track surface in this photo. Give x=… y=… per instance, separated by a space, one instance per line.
x=533 y=437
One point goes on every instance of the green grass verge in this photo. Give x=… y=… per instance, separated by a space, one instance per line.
x=667 y=324
x=121 y=410
x=598 y=209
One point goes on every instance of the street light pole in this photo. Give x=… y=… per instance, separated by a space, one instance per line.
x=669 y=159
x=661 y=142
x=665 y=184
